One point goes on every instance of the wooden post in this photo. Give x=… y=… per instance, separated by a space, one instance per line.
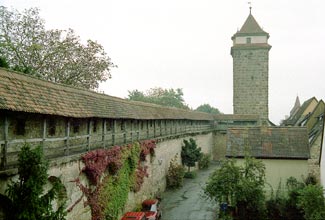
x=165 y=122
x=138 y=129
x=147 y=127
x=104 y=133
x=44 y=132
x=124 y=130
x=6 y=144
x=113 y=132
x=67 y=134
x=89 y=133
x=131 y=130
x=154 y=128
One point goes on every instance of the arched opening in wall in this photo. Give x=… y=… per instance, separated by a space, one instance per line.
x=54 y=183
x=5 y=207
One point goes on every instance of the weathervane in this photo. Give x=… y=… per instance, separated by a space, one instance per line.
x=250 y=7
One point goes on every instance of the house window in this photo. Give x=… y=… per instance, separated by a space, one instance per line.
x=52 y=127
x=248 y=40
x=20 y=127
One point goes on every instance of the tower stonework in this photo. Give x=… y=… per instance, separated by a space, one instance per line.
x=250 y=52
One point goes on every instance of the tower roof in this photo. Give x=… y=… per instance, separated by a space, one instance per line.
x=251 y=27
x=295 y=107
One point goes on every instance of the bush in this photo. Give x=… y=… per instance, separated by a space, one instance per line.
x=240 y=187
x=190 y=175
x=29 y=201
x=204 y=161
x=175 y=174
x=303 y=201
x=311 y=200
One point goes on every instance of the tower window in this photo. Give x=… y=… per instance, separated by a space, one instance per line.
x=248 y=40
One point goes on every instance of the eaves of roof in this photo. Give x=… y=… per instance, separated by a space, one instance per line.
x=23 y=93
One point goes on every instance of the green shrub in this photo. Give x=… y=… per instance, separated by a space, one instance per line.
x=311 y=200
x=191 y=153
x=175 y=174
x=240 y=187
x=204 y=161
x=29 y=201
x=303 y=201
x=190 y=175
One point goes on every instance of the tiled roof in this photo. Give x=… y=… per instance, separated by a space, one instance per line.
x=311 y=118
x=268 y=142
x=19 y=92
x=316 y=130
x=234 y=117
x=251 y=27
x=294 y=119
x=296 y=106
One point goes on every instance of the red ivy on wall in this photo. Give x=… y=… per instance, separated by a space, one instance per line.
x=101 y=160
x=147 y=147
x=98 y=161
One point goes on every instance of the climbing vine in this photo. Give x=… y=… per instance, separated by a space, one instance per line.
x=113 y=173
x=147 y=147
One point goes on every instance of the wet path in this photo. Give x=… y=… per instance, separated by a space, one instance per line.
x=187 y=202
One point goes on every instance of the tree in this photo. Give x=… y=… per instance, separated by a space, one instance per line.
x=190 y=153
x=240 y=187
x=3 y=63
x=54 y=55
x=29 y=201
x=208 y=109
x=160 y=96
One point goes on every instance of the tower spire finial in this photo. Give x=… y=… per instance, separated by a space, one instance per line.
x=250 y=7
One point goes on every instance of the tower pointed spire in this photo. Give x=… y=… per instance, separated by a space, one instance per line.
x=250 y=7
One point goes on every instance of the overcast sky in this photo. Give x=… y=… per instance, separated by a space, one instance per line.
x=186 y=44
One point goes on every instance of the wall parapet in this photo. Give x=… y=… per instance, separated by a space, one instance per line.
x=62 y=136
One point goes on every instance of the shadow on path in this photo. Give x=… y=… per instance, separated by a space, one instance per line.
x=187 y=202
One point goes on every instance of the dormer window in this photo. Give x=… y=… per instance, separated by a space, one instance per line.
x=248 y=40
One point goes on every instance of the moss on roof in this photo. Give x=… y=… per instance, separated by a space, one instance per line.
x=19 y=92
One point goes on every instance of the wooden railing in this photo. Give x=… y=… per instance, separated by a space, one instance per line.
x=58 y=147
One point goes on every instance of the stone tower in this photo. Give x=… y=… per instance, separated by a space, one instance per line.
x=250 y=52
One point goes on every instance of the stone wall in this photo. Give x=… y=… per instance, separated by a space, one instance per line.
x=68 y=169
x=313 y=162
x=250 y=81
x=158 y=168
x=219 y=147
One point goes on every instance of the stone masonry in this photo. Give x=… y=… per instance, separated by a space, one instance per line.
x=250 y=81
x=250 y=52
